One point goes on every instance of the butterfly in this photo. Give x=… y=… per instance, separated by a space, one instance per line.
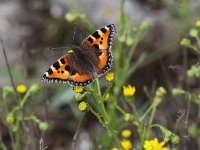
x=84 y=62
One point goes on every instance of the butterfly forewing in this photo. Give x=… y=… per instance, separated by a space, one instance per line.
x=102 y=39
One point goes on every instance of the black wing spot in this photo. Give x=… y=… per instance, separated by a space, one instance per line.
x=90 y=39
x=101 y=38
x=96 y=46
x=103 y=30
x=73 y=72
x=44 y=76
x=109 y=26
x=96 y=35
x=58 y=71
x=62 y=71
x=56 y=65
x=62 y=60
x=67 y=68
x=50 y=71
x=101 y=42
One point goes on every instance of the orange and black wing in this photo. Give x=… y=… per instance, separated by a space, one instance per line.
x=58 y=72
x=102 y=39
x=81 y=80
x=62 y=72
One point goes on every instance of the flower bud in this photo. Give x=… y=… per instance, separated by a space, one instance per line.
x=10 y=119
x=144 y=25
x=83 y=106
x=129 y=41
x=7 y=90
x=70 y=17
x=34 y=89
x=193 y=32
x=185 y=42
x=122 y=38
x=128 y=117
x=43 y=126
x=177 y=92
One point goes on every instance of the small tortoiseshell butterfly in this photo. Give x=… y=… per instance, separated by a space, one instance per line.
x=91 y=59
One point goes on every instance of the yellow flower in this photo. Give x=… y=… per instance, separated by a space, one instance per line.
x=126 y=133
x=114 y=148
x=21 y=88
x=9 y=119
x=110 y=76
x=83 y=106
x=78 y=89
x=129 y=90
x=154 y=145
x=198 y=23
x=127 y=144
x=70 y=51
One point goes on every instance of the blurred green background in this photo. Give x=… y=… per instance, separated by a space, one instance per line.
x=29 y=28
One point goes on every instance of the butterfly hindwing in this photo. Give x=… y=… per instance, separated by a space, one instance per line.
x=80 y=80
x=62 y=72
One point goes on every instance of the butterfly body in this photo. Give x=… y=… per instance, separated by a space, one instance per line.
x=87 y=61
x=84 y=60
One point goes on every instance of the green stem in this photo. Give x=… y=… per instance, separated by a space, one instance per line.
x=152 y=115
x=137 y=118
x=120 y=109
x=198 y=40
x=195 y=49
x=134 y=110
x=32 y=118
x=17 y=135
x=143 y=137
x=122 y=19
x=107 y=127
x=151 y=121
x=23 y=101
x=146 y=113
x=99 y=101
x=107 y=91
x=9 y=71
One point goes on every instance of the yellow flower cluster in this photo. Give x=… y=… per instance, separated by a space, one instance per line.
x=78 y=89
x=83 y=106
x=110 y=76
x=127 y=144
x=129 y=90
x=21 y=88
x=198 y=23
x=126 y=133
x=154 y=145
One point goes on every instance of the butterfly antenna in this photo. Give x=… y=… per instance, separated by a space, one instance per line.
x=74 y=33
x=55 y=48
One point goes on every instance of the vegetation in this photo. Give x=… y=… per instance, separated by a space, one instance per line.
x=127 y=116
